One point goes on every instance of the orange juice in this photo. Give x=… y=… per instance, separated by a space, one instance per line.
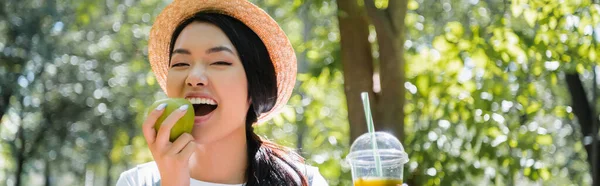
x=377 y=182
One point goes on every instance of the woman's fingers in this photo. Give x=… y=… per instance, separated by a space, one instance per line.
x=187 y=151
x=172 y=158
x=180 y=143
x=165 y=128
x=148 y=126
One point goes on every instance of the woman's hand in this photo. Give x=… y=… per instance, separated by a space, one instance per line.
x=172 y=158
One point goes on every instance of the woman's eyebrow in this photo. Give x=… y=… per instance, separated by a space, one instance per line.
x=219 y=49
x=209 y=51
x=181 y=51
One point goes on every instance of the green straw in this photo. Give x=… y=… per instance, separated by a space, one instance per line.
x=369 y=118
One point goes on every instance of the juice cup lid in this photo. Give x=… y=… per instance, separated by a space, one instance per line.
x=389 y=149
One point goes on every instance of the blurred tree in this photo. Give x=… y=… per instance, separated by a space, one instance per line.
x=22 y=65
x=585 y=115
x=69 y=107
x=390 y=28
x=388 y=96
x=357 y=64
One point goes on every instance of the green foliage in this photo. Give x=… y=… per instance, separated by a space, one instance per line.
x=490 y=103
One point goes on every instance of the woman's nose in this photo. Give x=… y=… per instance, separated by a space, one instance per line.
x=197 y=77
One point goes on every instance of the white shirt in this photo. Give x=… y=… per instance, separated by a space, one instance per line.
x=148 y=174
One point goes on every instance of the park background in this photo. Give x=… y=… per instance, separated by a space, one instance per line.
x=480 y=92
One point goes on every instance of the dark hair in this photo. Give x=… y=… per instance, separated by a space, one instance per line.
x=268 y=163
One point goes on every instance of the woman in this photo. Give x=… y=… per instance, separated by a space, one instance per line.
x=237 y=67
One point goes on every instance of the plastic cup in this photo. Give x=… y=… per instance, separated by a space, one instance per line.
x=364 y=165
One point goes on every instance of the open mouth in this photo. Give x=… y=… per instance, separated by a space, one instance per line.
x=203 y=106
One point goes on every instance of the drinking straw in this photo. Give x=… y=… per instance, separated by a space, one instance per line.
x=370 y=126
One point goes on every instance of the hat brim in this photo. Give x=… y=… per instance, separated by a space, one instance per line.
x=278 y=45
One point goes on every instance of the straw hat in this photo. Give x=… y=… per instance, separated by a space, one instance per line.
x=279 y=47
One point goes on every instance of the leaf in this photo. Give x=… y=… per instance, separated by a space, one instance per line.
x=440 y=44
x=544 y=173
x=494 y=132
x=544 y=139
x=530 y=16
x=534 y=107
x=527 y=171
x=516 y=8
x=422 y=85
x=412 y=4
x=553 y=23
x=592 y=54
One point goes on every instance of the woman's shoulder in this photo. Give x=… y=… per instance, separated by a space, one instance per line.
x=305 y=168
x=311 y=173
x=142 y=174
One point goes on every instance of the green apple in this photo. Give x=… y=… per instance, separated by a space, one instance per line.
x=184 y=124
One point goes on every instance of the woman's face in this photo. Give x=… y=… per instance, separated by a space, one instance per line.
x=205 y=68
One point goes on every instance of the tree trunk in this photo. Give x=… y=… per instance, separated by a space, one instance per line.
x=303 y=68
x=47 y=174
x=357 y=62
x=19 y=171
x=583 y=111
x=389 y=25
x=20 y=157
x=108 y=170
x=5 y=90
x=6 y=93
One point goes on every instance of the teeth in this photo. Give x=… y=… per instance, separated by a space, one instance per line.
x=202 y=101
